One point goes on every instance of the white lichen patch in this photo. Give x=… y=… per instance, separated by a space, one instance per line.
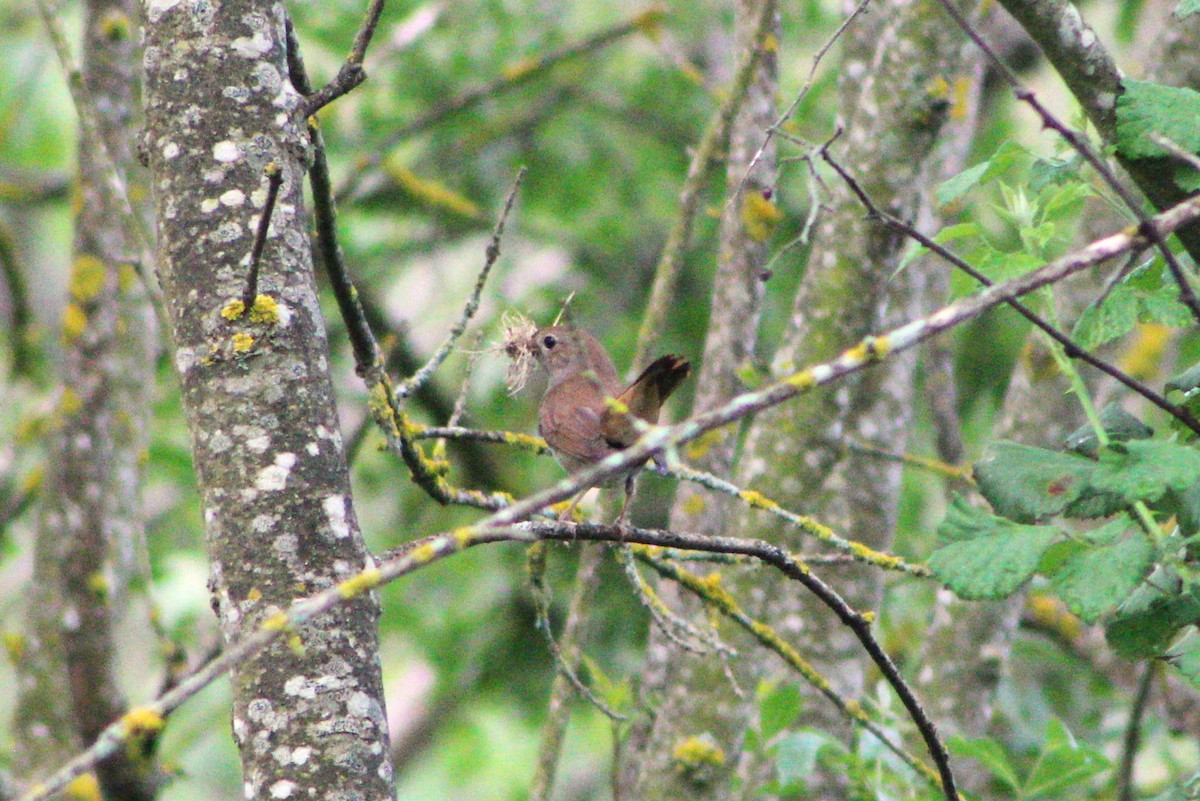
x=209 y=205
x=234 y=197
x=264 y=522
x=286 y=544
x=219 y=442
x=238 y=94
x=285 y=313
x=185 y=359
x=335 y=513
x=282 y=789
x=71 y=619
x=300 y=755
x=361 y=705
x=170 y=150
x=300 y=687
x=259 y=444
x=239 y=728
x=251 y=46
x=226 y=151
x=312 y=449
x=228 y=232
x=273 y=477
x=156 y=8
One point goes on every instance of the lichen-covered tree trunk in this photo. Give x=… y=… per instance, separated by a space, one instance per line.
x=308 y=714
x=89 y=536
x=732 y=330
x=898 y=66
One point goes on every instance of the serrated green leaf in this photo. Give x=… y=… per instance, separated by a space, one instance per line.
x=1186 y=8
x=796 y=755
x=952 y=233
x=1151 y=615
x=1063 y=762
x=1184 y=656
x=1145 y=108
x=1118 y=424
x=1025 y=484
x=1186 y=382
x=1144 y=470
x=1165 y=307
x=778 y=708
x=1094 y=581
x=1104 y=322
x=954 y=188
x=1045 y=173
x=1091 y=505
x=989 y=753
x=987 y=557
x=1064 y=200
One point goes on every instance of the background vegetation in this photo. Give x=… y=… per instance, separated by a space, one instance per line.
x=604 y=104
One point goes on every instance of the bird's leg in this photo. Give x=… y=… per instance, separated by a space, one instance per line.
x=629 y=480
x=565 y=514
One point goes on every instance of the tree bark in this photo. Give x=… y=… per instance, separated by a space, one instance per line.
x=90 y=538
x=898 y=65
x=308 y=716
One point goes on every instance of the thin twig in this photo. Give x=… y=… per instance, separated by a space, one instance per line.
x=420 y=377
x=1133 y=732
x=351 y=73
x=804 y=90
x=724 y=603
x=1069 y=346
x=1080 y=145
x=113 y=183
x=541 y=601
x=666 y=272
x=368 y=360
x=274 y=181
x=499 y=525
x=678 y=630
x=18 y=297
x=510 y=78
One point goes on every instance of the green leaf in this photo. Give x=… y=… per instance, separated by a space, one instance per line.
x=1185 y=657
x=952 y=233
x=1187 y=382
x=1118 y=424
x=1144 y=470
x=987 y=557
x=1114 y=317
x=1145 y=108
x=778 y=708
x=1025 y=484
x=1095 y=580
x=954 y=188
x=1151 y=615
x=1165 y=307
x=989 y=753
x=1062 y=763
x=796 y=756
x=1186 y=8
x=1002 y=266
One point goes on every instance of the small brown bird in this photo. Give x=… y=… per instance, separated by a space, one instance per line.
x=577 y=420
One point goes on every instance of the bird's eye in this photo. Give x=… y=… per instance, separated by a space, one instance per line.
x=549 y=341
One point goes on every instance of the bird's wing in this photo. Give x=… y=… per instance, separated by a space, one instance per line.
x=573 y=428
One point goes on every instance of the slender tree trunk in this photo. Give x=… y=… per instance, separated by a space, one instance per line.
x=899 y=63
x=308 y=715
x=90 y=529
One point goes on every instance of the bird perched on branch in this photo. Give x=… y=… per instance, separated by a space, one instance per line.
x=586 y=414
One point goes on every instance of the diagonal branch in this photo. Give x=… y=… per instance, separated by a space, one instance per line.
x=1069 y=346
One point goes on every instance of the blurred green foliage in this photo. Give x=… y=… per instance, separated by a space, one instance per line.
x=606 y=137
